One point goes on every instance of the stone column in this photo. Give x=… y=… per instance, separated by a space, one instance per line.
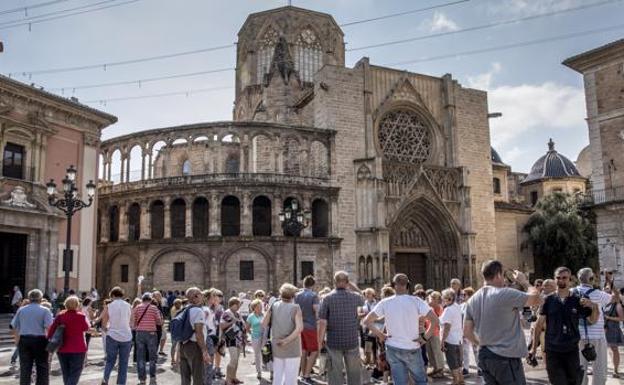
x=167 y=221
x=128 y=168
x=276 y=207
x=215 y=214
x=123 y=222
x=246 y=216
x=307 y=205
x=188 y=222
x=122 y=171
x=146 y=228
x=333 y=215
x=104 y=226
x=142 y=164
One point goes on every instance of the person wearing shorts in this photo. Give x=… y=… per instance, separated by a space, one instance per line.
x=452 y=335
x=308 y=301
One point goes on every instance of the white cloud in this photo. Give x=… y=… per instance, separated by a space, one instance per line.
x=531 y=7
x=484 y=81
x=439 y=22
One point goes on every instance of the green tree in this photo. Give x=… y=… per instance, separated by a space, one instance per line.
x=559 y=233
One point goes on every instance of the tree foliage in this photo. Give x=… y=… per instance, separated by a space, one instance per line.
x=560 y=234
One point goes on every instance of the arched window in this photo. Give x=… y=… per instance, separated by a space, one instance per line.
x=113 y=216
x=178 y=218
x=404 y=137
x=230 y=216
x=134 y=222
x=369 y=269
x=320 y=218
x=308 y=55
x=200 y=217
x=318 y=159
x=265 y=52
x=361 y=269
x=292 y=163
x=157 y=219
x=186 y=167
x=262 y=216
x=496 y=185
x=13 y=161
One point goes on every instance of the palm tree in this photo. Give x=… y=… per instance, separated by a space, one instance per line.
x=560 y=234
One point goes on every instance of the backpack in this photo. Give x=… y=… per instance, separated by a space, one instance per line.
x=593 y=318
x=180 y=326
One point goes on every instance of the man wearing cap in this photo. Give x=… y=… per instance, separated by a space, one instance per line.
x=145 y=321
x=403 y=338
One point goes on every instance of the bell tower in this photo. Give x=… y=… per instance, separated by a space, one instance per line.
x=278 y=53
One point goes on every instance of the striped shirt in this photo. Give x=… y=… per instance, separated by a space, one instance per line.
x=595 y=331
x=149 y=321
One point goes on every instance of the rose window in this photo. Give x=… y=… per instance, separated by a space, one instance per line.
x=404 y=137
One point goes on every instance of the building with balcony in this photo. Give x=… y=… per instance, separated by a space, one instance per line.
x=603 y=75
x=42 y=134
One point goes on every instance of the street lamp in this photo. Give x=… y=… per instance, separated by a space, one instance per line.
x=69 y=204
x=294 y=219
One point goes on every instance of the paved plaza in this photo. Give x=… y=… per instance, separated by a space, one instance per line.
x=92 y=375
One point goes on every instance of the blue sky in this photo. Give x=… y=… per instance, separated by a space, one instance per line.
x=539 y=98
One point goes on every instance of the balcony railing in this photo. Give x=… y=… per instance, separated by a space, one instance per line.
x=216 y=179
x=598 y=197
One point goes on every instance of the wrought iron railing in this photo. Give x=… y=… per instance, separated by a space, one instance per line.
x=597 y=197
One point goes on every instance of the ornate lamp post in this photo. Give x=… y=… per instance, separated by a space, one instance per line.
x=294 y=219
x=69 y=204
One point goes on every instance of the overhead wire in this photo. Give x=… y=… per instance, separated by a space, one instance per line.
x=174 y=76
x=104 y=66
x=25 y=8
x=60 y=14
x=174 y=93
x=414 y=61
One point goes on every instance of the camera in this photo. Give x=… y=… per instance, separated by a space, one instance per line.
x=528 y=315
x=531 y=360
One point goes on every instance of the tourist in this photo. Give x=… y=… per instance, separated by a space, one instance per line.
x=614 y=315
x=254 y=327
x=116 y=324
x=145 y=321
x=369 y=341
x=194 y=355
x=209 y=300
x=338 y=316
x=234 y=335
x=73 y=349
x=16 y=298
x=160 y=303
x=456 y=286
x=286 y=323
x=434 y=348
x=243 y=308
x=175 y=308
x=452 y=335
x=492 y=322
x=219 y=343
x=560 y=315
x=89 y=312
x=308 y=301
x=402 y=335
x=467 y=346
x=30 y=323
x=595 y=332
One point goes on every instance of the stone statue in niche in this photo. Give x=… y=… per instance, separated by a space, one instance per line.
x=19 y=198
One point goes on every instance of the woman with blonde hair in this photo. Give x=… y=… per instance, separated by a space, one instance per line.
x=71 y=353
x=286 y=322
x=234 y=334
x=254 y=326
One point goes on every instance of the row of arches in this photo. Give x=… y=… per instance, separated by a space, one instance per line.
x=195 y=221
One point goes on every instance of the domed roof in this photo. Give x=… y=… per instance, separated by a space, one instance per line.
x=552 y=165
x=495 y=157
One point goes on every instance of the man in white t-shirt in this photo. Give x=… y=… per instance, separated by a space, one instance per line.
x=402 y=335
x=243 y=310
x=452 y=334
x=194 y=353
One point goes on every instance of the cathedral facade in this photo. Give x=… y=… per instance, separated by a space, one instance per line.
x=395 y=168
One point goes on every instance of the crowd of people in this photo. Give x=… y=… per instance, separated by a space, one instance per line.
x=403 y=334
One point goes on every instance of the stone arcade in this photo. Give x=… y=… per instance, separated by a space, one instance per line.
x=395 y=167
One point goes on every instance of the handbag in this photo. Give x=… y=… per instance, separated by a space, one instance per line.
x=589 y=351
x=57 y=339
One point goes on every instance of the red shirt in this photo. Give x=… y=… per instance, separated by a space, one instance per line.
x=76 y=325
x=148 y=323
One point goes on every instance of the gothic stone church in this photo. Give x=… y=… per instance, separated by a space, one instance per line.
x=394 y=166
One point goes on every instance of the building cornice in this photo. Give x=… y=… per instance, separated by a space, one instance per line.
x=585 y=61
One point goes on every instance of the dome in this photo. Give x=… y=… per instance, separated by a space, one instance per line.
x=552 y=165
x=495 y=157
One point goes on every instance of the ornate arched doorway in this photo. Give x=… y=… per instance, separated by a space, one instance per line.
x=424 y=244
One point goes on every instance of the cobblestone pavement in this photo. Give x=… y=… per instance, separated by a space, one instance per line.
x=92 y=375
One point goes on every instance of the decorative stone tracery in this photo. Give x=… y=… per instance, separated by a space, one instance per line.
x=404 y=137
